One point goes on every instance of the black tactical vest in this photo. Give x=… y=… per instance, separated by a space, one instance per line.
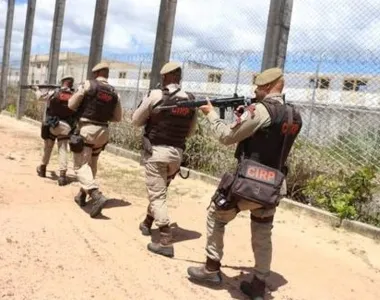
x=59 y=104
x=99 y=102
x=170 y=127
x=265 y=145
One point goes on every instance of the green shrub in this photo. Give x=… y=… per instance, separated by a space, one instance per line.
x=343 y=194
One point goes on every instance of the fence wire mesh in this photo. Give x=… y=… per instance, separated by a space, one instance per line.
x=331 y=72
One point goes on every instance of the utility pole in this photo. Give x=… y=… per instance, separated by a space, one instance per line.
x=97 y=37
x=27 y=45
x=164 y=37
x=276 y=39
x=6 y=54
x=55 y=43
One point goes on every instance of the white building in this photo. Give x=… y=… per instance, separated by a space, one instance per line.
x=203 y=79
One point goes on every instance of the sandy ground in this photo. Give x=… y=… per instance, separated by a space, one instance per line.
x=52 y=249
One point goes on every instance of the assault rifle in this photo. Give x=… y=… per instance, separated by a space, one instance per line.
x=222 y=103
x=41 y=86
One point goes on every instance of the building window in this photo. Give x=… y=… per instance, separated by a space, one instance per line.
x=37 y=82
x=122 y=75
x=321 y=83
x=146 y=75
x=214 y=77
x=39 y=66
x=355 y=85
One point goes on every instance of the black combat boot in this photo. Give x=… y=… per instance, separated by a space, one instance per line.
x=146 y=225
x=254 y=289
x=208 y=273
x=165 y=246
x=100 y=202
x=62 y=179
x=80 y=198
x=41 y=170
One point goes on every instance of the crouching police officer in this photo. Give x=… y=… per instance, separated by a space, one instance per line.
x=265 y=134
x=57 y=126
x=164 y=141
x=97 y=104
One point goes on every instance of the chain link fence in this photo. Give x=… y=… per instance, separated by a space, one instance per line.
x=331 y=72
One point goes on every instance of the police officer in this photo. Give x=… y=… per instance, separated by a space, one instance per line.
x=97 y=104
x=57 y=125
x=164 y=140
x=257 y=131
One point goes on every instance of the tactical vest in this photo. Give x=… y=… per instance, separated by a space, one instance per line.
x=170 y=127
x=265 y=145
x=59 y=104
x=99 y=102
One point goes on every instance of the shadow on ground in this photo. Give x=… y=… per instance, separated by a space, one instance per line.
x=111 y=203
x=179 y=234
x=232 y=284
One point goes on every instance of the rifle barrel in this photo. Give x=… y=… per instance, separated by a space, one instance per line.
x=41 y=86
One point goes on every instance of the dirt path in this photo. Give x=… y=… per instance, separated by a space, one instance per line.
x=52 y=249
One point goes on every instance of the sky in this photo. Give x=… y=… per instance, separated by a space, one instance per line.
x=339 y=35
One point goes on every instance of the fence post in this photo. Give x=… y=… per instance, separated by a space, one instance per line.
x=238 y=73
x=316 y=85
x=138 y=85
x=164 y=37
x=97 y=37
x=55 y=43
x=27 y=45
x=276 y=39
x=6 y=54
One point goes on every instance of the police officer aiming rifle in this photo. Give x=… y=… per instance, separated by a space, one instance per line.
x=57 y=124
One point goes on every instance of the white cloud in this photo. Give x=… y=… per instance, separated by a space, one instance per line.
x=339 y=26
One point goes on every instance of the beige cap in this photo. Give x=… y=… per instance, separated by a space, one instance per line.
x=67 y=77
x=268 y=76
x=169 y=67
x=100 y=66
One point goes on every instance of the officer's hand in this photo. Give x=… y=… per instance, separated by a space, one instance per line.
x=239 y=111
x=206 y=108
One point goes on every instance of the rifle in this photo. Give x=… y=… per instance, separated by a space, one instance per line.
x=41 y=86
x=221 y=103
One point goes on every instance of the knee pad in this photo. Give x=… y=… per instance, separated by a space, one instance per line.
x=265 y=220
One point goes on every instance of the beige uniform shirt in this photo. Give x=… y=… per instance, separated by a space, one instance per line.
x=76 y=100
x=142 y=114
x=248 y=125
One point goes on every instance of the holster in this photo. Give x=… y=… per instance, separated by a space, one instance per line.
x=222 y=196
x=52 y=121
x=76 y=142
x=45 y=131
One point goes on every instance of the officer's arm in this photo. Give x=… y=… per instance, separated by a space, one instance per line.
x=43 y=96
x=77 y=98
x=236 y=132
x=118 y=112
x=142 y=113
